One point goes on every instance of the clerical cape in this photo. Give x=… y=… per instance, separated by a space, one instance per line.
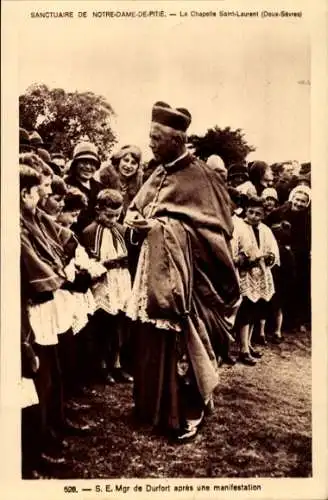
x=191 y=276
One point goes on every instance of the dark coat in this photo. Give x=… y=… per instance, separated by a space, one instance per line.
x=300 y=232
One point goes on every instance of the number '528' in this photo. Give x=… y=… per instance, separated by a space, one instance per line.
x=70 y=489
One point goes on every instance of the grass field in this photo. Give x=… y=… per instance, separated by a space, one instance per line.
x=260 y=427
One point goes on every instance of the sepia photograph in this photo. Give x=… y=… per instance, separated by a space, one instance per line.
x=160 y=248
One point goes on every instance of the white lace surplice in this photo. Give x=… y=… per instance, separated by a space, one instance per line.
x=256 y=283
x=136 y=308
x=112 y=291
x=84 y=306
x=50 y=319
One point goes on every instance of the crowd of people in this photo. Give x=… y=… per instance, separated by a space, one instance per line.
x=146 y=276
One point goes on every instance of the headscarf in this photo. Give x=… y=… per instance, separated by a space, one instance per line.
x=216 y=162
x=269 y=193
x=303 y=190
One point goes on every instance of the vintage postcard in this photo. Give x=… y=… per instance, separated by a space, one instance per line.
x=164 y=249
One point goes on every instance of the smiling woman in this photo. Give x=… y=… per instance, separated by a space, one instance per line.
x=127 y=165
x=84 y=164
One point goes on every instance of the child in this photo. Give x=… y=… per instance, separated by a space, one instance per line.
x=74 y=202
x=46 y=249
x=34 y=161
x=42 y=274
x=104 y=240
x=82 y=270
x=270 y=200
x=30 y=422
x=255 y=251
x=54 y=203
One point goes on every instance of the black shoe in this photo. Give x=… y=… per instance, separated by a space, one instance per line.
x=109 y=380
x=187 y=435
x=209 y=408
x=75 y=406
x=56 y=442
x=190 y=430
x=219 y=361
x=86 y=392
x=35 y=474
x=262 y=340
x=246 y=359
x=276 y=339
x=229 y=360
x=121 y=376
x=64 y=444
x=53 y=458
x=77 y=427
x=255 y=354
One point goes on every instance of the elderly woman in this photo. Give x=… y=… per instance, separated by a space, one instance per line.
x=185 y=288
x=84 y=164
x=297 y=212
x=124 y=174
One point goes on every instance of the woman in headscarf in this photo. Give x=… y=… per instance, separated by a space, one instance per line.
x=297 y=212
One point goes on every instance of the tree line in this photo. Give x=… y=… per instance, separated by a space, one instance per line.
x=63 y=118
